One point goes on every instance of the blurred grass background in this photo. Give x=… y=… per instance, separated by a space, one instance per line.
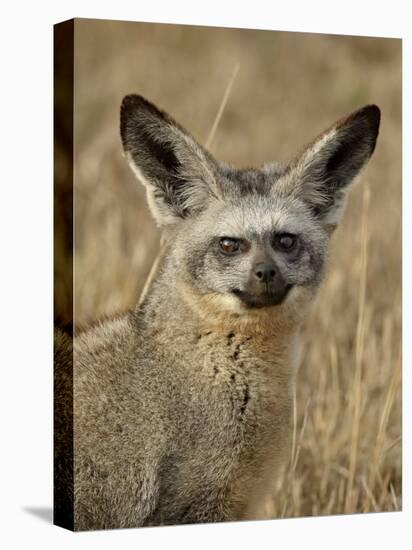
x=346 y=430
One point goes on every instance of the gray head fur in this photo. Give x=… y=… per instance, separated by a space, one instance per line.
x=245 y=239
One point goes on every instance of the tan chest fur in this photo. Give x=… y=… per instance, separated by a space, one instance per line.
x=249 y=377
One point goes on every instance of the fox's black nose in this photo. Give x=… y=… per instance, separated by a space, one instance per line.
x=265 y=272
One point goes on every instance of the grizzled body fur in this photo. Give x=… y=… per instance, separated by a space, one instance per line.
x=181 y=407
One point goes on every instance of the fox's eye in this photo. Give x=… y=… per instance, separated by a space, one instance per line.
x=285 y=241
x=229 y=246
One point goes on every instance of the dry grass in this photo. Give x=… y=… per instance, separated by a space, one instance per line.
x=346 y=429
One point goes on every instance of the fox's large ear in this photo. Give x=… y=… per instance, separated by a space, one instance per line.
x=323 y=173
x=176 y=171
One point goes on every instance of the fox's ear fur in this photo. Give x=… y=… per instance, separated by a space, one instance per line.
x=323 y=173
x=176 y=171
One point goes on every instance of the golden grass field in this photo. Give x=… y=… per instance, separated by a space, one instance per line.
x=346 y=430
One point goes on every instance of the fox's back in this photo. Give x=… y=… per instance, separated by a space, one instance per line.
x=172 y=422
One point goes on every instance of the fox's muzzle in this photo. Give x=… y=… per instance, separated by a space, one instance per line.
x=266 y=286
